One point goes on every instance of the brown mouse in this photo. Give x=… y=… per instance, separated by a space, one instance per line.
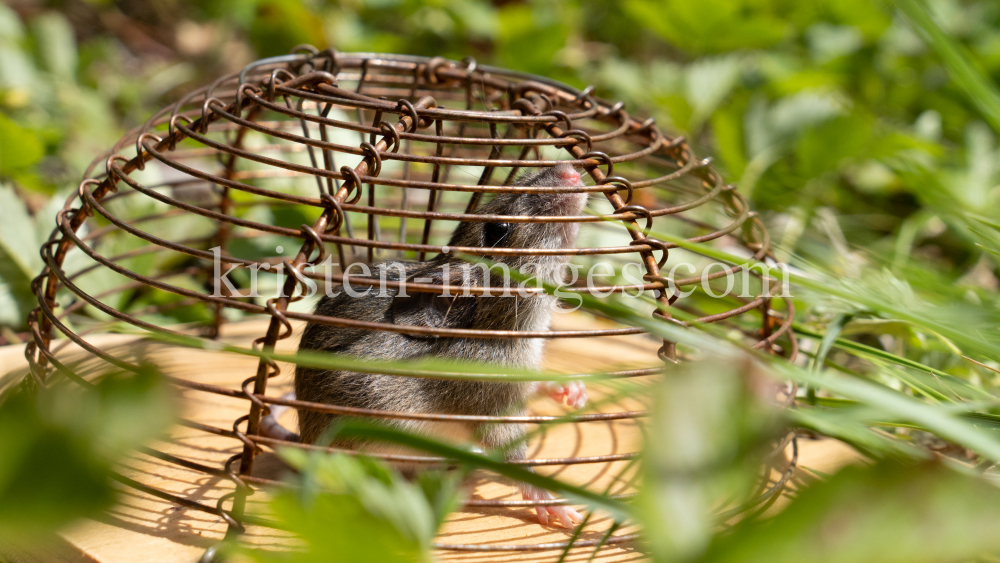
x=523 y=313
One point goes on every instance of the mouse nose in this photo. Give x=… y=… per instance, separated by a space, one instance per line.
x=568 y=173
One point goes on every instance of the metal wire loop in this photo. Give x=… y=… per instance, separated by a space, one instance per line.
x=561 y=116
x=659 y=244
x=352 y=175
x=600 y=157
x=389 y=131
x=204 y=111
x=273 y=82
x=240 y=435
x=310 y=233
x=274 y=312
x=172 y=128
x=36 y=282
x=335 y=210
x=525 y=106
x=640 y=210
x=660 y=314
x=240 y=93
x=61 y=217
x=430 y=71
x=332 y=65
x=404 y=105
x=663 y=353
x=615 y=109
x=584 y=94
x=304 y=47
x=109 y=167
x=581 y=135
x=227 y=467
x=82 y=186
x=470 y=65
x=370 y=150
x=624 y=183
x=140 y=162
x=734 y=204
x=548 y=101
x=300 y=283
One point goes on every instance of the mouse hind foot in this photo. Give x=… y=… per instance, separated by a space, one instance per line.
x=565 y=516
x=574 y=393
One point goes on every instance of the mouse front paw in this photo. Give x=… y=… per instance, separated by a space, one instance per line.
x=564 y=516
x=573 y=392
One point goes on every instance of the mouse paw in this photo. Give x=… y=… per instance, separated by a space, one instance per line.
x=564 y=516
x=573 y=392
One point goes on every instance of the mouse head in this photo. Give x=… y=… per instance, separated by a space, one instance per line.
x=550 y=236
x=430 y=309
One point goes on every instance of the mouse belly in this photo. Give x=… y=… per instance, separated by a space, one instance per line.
x=407 y=395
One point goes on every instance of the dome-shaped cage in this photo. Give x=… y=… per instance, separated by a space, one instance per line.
x=362 y=157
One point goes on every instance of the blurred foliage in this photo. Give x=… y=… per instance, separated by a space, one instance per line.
x=358 y=509
x=864 y=131
x=713 y=427
x=885 y=513
x=58 y=448
x=832 y=107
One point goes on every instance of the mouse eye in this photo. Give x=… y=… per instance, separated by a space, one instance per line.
x=494 y=233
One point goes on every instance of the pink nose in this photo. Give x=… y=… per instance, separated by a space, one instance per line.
x=569 y=174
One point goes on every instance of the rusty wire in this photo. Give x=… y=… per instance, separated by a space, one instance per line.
x=403 y=112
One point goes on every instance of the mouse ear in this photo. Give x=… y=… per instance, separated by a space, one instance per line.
x=433 y=309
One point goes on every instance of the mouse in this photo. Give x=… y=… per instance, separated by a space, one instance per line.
x=514 y=312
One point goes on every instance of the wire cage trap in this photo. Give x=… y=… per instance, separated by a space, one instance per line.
x=362 y=157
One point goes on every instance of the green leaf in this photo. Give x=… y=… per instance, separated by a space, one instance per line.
x=57 y=449
x=710 y=26
x=727 y=128
x=882 y=514
x=832 y=331
x=11 y=29
x=529 y=37
x=280 y=25
x=10 y=307
x=707 y=83
x=47 y=477
x=20 y=148
x=348 y=508
x=826 y=146
x=19 y=259
x=827 y=41
x=981 y=91
x=703 y=444
x=579 y=494
x=792 y=114
x=893 y=405
x=856 y=433
x=56 y=44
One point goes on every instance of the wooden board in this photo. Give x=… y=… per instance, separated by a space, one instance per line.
x=146 y=528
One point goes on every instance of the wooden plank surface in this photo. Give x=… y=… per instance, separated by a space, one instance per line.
x=142 y=527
